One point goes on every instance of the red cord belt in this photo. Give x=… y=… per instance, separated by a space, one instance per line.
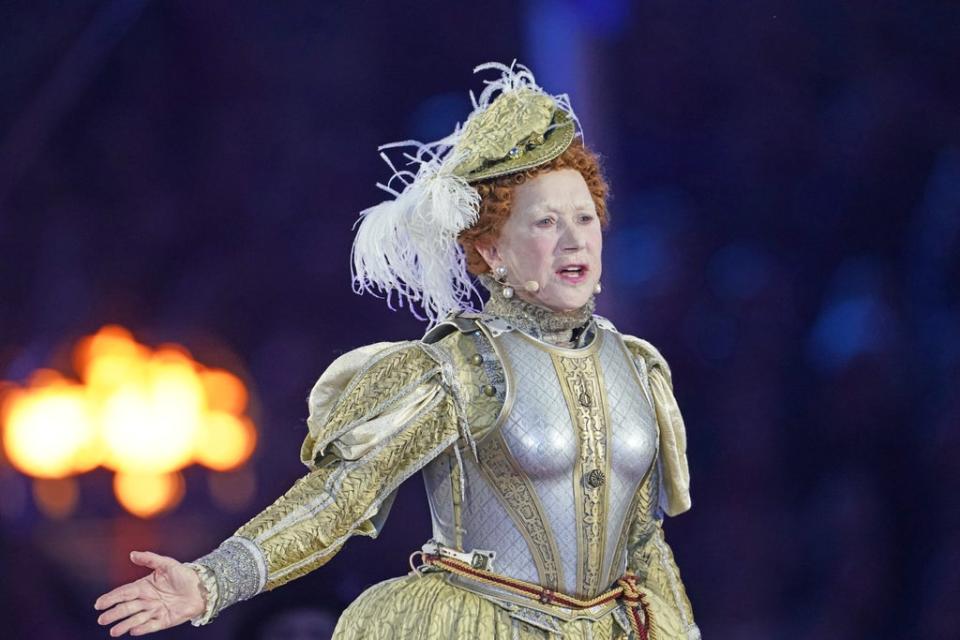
x=626 y=591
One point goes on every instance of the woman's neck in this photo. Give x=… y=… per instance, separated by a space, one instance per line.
x=556 y=327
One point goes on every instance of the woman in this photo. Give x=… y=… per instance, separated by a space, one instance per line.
x=550 y=444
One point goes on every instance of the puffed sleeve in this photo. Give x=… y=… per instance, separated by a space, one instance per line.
x=377 y=415
x=666 y=491
x=675 y=480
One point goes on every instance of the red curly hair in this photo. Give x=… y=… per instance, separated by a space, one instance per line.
x=496 y=199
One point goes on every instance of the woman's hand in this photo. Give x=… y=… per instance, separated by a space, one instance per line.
x=165 y=598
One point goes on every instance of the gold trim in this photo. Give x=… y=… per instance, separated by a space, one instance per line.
x=455 y=496
x=581 y=382
x=571 y=352
x=632 y=514
x=625 y=527
x=621 y=547
x=608 y=470
x=518 y=496
x=532 y=526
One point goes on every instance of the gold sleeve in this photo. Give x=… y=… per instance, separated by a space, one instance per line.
x=675 y=482
x=392 y=415
x=666 y=491
x=650 y=558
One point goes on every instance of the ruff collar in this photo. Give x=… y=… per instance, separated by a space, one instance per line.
x=560 y=328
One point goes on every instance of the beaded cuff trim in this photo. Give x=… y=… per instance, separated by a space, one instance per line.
x=240 y=571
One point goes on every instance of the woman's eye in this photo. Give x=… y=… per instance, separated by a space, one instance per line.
x=544 y=222
x=585 y=217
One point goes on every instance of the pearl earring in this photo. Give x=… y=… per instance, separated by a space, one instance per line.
x=598 y=288
x=500 y=275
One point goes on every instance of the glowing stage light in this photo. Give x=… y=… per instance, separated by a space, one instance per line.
x=224 y=391
x=225 y=441
x=49 y=431
x=148 y=495
x=144 y=413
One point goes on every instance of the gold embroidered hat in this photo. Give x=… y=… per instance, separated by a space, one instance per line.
x=407 y=245
x=520 y=130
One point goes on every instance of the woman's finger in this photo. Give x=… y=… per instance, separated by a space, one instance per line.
x=149 y=559
x=123 y=610
x=148 y=627
x=129 y=591
x=133 y=621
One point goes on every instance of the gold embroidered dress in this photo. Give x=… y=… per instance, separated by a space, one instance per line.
x=550 y=444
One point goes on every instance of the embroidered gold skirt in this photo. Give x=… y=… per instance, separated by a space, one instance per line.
x=432 y=608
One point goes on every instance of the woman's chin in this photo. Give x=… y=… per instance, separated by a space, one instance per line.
x=564 y=303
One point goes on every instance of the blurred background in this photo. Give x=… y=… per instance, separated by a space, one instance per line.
x=178 y=182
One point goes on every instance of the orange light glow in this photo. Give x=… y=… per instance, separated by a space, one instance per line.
x=148 y=495
x=225 y=441
x=142 y=412
x=49 y=430
x=225 y=391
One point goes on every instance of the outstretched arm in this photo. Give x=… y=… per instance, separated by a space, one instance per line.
x=377 y=416
x=305 y=527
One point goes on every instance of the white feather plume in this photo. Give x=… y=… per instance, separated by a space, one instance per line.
x=408 y=245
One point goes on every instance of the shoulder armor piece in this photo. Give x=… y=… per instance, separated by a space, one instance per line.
x=603 y=323
x=462 y=322
x=640 y=348
x=471 y=369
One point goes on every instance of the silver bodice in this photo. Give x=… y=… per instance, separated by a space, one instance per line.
x=556 y=479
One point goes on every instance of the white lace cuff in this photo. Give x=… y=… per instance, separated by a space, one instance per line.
x=208 y=587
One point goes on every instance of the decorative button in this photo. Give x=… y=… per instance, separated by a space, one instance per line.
x=595 y=479
x=514 y=152
x=489 y=390
x=585 y=399
x=476 y=359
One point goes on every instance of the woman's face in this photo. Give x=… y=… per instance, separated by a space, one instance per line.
x=553 y=238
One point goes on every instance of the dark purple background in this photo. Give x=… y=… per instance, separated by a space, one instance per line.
x=786 y=226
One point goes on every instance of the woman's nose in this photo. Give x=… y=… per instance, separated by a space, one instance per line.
x=573 y=239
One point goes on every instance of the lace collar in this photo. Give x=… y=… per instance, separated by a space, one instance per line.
x=560 y=328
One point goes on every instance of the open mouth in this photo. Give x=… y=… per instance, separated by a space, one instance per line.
x=573 y=273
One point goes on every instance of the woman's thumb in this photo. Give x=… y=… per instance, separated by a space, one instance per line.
x=147 y=559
